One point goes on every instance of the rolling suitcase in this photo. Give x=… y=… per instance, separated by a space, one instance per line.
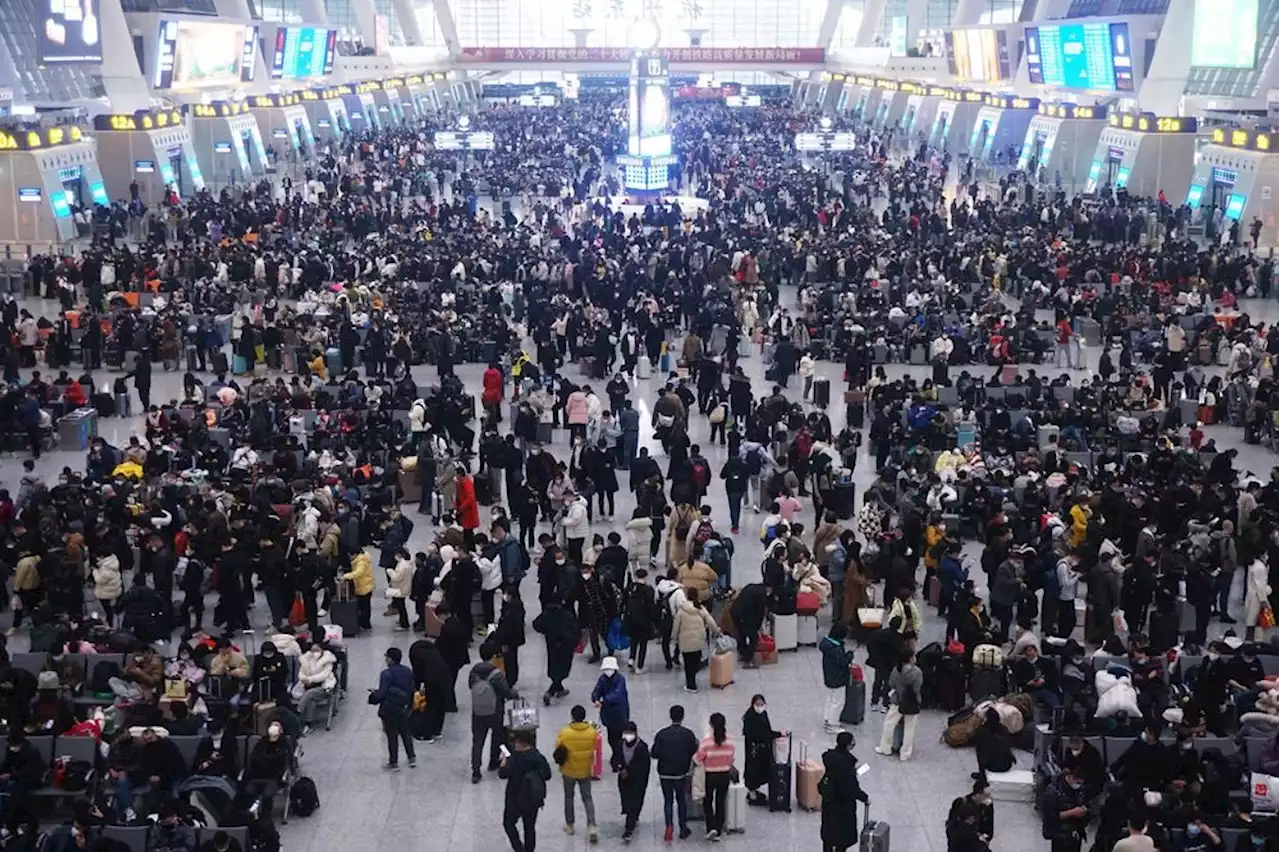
x=940 y=373
x=786 y=632
x=695 y=813
x=333 y=360
x=807 y=630
x=219 y=362
x=343 y=612
x=735 y=810
x=721 y=669
x=821 y=393
x=855 y=414
x=808 y=775
x=986 y=683
x=780 y=776
x=875 y=834
x=1008 y=374
x=544 y=433
x=484 y=489
x=644 y=367
x=239 y=366
x=855 y=703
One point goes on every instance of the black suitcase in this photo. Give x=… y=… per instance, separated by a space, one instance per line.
x=343 y=612
x=855 y=414
x=780 y=782
x=986 y=683
x=855 y=703
x=948 y=684
x=220 y=363
x=105 y=403
x=821 y=393
x=484 y=489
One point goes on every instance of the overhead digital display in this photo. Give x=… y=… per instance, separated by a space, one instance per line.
x=203 y=54
x=302 y=53
x=1235 y=206
x=979 y=54
x=1094 y=55
x=1225 y=34
x=649 y=116
x=70 y=31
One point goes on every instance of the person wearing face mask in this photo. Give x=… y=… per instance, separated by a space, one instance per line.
x=1199 y=836
x=596 y=599
x=1210 y=690
x=1147 y=764
x=757 y=737
x=509 y=632
x=840 y=791
x=632 y=767
x=1065 y=813
x=1244 y=673
x=266 y=766
x=610 y=697
x=1137 y=839
x=962 y=829
x=1084 y=759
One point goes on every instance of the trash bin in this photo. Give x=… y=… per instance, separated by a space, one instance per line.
x=77 y=428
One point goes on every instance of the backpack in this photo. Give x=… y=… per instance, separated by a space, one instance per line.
x=100 y=680
x=754 y=463
x=775 y=485
x=533 y=789
x=304 y=800
x=701 y=474
x=682 y=526
x=718 y=558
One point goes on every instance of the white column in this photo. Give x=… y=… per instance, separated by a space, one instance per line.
x=967 y=13
x=580 y=35
x=236 y=10
x=872 y=14
x=830 y=21
x=365 y=15
x=448 y=28
x=313 y=12
x=408 y=22
x=121 y=76
x=915 y=21
x=1166 y=79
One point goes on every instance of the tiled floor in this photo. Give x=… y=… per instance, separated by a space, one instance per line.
x=435 y=807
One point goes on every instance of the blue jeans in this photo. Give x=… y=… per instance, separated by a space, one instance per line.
x=673 y=792
x=126 y=790
x=1244 y=701
x=1047 y=697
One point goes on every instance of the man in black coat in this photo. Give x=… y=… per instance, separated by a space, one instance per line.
x=454 y=638
x=840 y=791
x=748 y=610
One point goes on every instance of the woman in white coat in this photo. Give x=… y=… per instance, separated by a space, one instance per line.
x=399 y=584
x=1257 y=592
x=108 y=586
x=639 y=536
x=316 y=676
x=490 y=581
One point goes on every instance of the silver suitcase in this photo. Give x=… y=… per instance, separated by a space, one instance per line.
x=875 y=833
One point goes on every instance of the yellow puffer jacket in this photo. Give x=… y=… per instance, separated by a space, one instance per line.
x=1080 y=516
x=579 y=739
x=361 y=573
x=26 y=578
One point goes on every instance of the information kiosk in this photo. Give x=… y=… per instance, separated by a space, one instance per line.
x=1144 y=154
x=44 y=174
x=228 y=142
x=1236 y=172
x=1060 y=143
x=152 y=148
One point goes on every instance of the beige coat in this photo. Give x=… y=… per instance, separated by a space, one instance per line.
x=699 y=576
x=677 y=549
x=691 y=627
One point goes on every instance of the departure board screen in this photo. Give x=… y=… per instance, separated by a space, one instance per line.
x=1093 y=55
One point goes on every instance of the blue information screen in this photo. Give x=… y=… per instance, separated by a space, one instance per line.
x=1081 y=56
x=300 y=53
x=1235 y=206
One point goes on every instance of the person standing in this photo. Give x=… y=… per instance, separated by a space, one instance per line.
x=394 y=699
x=715 y=756
x=758 y=736
x=691 y=627
x=836 y=660
x=559 y=627
x=489 y=693
x=526 y=772
x=575 y=752
x=673 y=750
x=905 y=684
x=610 y=696
x=633 y=778
x=840 y=790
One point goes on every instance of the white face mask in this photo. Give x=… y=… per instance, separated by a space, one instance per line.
x=628 y=738
x=759 y=708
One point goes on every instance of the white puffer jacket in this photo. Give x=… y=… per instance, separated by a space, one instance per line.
x=490 y=573
x=107 y=584
x=400 y=579
x=317 y=669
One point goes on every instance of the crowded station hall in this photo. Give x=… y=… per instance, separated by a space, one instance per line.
x=790 y=424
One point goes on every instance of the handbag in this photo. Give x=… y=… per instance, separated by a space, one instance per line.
x=1266 y=617
x=175 y=689
x=699 y=781
x=297 y=612
x=615 y=638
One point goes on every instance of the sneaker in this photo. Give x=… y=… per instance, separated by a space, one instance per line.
x=394 y=767
x=686 y=833
x=668 y=835
x=568 y=829
x=432 y=740
x=690 y=689
x=903 y=758
x=879 y=750
x=475 y=777
x=626 y=838
x=734 y=530
x=592 y=834
x=640 y=670
x=400 y=629
x=322 y=613
x=306 y=729
x=631 y=665
x=413 y=763
x=713 y=834
x=12 y=631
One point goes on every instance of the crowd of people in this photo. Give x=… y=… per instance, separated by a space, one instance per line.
x=297 y=314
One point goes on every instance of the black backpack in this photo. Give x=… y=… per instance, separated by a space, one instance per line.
x=533 y=789
x=303 y=798
x=100 y=680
